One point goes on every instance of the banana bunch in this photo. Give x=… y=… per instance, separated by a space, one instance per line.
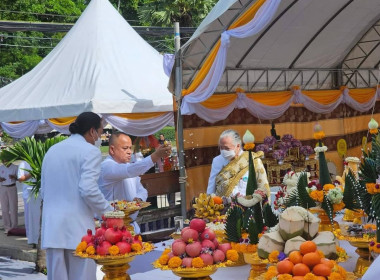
x=205 y=206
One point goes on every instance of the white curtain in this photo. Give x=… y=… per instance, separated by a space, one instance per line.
x=314 y=106
x=211 y=81
x=21 y=130
x=169 y=60
x=141 y=127
x=361 y=107
x=61 y=128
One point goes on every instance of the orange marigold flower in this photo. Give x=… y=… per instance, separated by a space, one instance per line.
x=81 y=247
x=163 y=259
x=166 y=251
x=328 y=187
x=273 y=256
x=317 y=196
x=175 y=262
x=232 y=255
x=90 y=250
x=319 y=135
x=136 y=247
x=251 y=248
x=197 y=262
x=321 y=254
x=338 y=206
x=335 y=276
x=373 y=131
x=310 y=276
x=284 y=277
x=249 y=146
x=113 y=250
x=271 y=273
x=370 y=188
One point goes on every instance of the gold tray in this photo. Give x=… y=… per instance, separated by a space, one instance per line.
x=200 y=272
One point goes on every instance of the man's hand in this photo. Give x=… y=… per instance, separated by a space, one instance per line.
x=137 y=199
x=2 y=179
x=12 y=177
x=161 y=152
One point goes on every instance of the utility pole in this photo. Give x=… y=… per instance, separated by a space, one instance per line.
x=178 y=97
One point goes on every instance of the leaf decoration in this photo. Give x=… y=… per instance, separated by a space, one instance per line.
x=300 y=197
x=252 y=182
x=253 y=232
x=327 y=206
x=234 y=223
x=270 y=218
x=351 y=195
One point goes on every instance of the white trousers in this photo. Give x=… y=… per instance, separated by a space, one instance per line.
x=8 y=200
x=61 y=264
x=32 y=218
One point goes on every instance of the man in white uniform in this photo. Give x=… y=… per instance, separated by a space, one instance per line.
x=229 y=170
x=8 y=196
x=119 y=179
x=32 y=205
x=71 y=196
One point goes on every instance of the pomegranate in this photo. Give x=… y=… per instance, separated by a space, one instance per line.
x=179 y=248
x=207 y=259
x=208 y=244
x=198 y=224
x=111 y=222
x=124 y=247
x=170 y=255
x=136 y=239
x=113 y=235
x=218 y=256
x=100 y=231
x=184 y=229
x=102 y=248
x=216 y=243
x=126 y=234
x=224 y=247
x=207 y=234
x=88 y=237
x=186 y=262
x=193 y=249
x=190 y=234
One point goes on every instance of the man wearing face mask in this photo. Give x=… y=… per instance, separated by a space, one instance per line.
x=71 y=196
x=229 y=170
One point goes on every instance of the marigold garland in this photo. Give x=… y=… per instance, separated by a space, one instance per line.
x=273 y=256
x=232 y=255
x=372 y=188
x=81 y=247
x=113 y=250
x=373 y=131
x=338 y=206
x=310 y=276
x=90 y=250
x=251 y=248
x=285 y=277
x=319 y=135
x=163 y=259
x=175 y=262
x=271 y=273
x=197 y=262
x=136 y=247
x=328 y=187
x=249 y=146
x=335 y=276
x=317 y=196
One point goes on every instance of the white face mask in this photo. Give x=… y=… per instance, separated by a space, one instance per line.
x=98 y=142
x=228 y=154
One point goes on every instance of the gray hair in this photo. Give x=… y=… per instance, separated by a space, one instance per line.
x=232 y=134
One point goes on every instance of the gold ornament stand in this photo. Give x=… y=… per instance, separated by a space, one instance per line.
x=240 y=260
x=325 y=224
x=258 y=267
x=115 y=269
x=364 y=260
x=200 y=274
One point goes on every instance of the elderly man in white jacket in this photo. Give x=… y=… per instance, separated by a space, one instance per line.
x=119 y=179
x=71 y=196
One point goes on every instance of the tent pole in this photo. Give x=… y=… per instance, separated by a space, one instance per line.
x=178 y=95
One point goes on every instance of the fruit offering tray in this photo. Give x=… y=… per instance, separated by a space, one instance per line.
x=349 y=276
x=129 y=206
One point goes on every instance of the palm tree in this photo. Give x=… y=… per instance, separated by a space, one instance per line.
x=33 y=152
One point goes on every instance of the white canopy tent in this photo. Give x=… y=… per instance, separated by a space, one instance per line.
x=101 y=65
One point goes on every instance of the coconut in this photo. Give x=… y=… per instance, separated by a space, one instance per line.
x=291 y=224
x=326 y=242
x=269 y=242
x=311 y=227
x=293 y=244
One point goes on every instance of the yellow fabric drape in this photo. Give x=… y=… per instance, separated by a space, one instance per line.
x=243 y=19
x=219 y=101
x=362 y=95
x=324 y=97
x=140 y=116
x=62 y=121
x=271 y=98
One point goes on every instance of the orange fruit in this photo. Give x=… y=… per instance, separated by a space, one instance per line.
x=328 y=262
x=217 y=200
x=300 y=269
x=322 y=270
x=295 y=257
x=298 y=278
x=284 y=267
x=308 y=247
x=311 y=259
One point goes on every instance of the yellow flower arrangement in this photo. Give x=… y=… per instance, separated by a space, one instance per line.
x=335 y=276
x=197 y=262
x=285 y=277
x=175 y=262
x=328 y=187
x=113 y=250
x=136 y=247
x=319 y=135
x=317 y=196
x=273 y=256
x=372 y=188
x=271 y=273
x=90 y=250
x=232 y=255
x=310 y=276
x=249 y=146
x=81 y=247
x=374 y=247
x=163 y=259
x=338 y=206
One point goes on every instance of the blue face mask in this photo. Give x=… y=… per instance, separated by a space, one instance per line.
x=228 y=154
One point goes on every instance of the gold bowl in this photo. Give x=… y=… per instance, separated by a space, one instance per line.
x=258 y=266
x=195 y=274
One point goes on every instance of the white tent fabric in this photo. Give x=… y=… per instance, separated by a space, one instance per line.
x=101 y=65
